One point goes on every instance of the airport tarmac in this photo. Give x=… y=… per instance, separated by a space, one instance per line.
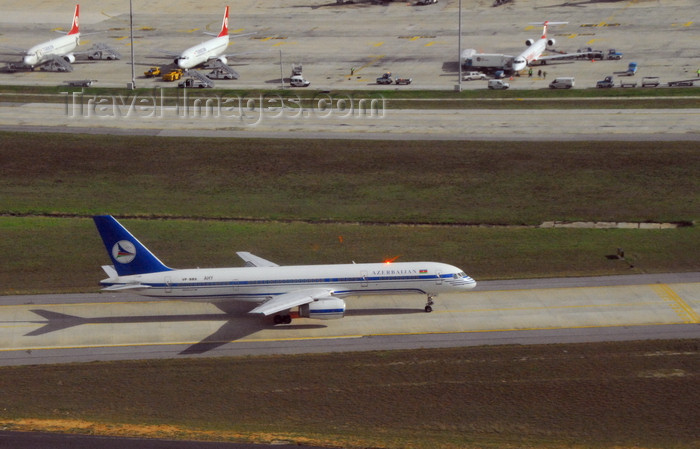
x=330 y=39
x=108 y=326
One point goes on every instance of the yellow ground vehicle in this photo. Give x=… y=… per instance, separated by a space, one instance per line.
x=153 y=71
x=173 y=75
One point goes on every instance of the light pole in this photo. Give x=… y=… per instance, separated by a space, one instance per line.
x=458 y=88
x=131 y=33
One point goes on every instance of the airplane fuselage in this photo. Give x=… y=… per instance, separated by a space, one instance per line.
x=200 y=54
x=256 y=284
x=61 y=46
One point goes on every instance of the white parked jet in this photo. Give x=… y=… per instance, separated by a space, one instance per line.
x=59 y=50
x=534 y=49
x=316 y=290
x=206 y=51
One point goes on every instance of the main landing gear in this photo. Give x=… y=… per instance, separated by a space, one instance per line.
x=428 y=305
x=282 y=319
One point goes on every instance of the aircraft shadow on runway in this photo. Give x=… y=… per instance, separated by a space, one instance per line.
x=237 y=326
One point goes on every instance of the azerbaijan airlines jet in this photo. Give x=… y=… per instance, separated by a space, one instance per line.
x=317 y=291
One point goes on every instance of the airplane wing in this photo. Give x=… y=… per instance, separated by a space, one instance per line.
x=288 y=300
x=251 y=260
x=125 y=287
x=561 y=56
x=14 y=51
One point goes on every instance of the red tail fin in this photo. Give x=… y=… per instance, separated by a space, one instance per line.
x=544 y=31
x=224 y=25
x=75 y=27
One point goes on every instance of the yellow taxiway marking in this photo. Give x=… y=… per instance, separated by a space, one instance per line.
x=378 y=44
x=682 y=309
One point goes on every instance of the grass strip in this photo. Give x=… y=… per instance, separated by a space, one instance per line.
x=65 y=254
x=350 y=181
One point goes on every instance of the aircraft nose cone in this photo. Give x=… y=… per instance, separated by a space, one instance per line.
x=29 y=60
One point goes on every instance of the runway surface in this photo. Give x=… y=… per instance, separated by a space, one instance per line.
x=89 y=327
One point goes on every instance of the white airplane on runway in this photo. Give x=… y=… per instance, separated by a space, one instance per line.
x=316 y=290
x=534 y=49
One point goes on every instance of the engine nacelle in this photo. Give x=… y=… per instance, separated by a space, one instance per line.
x=550 y=42
x=70 y=57
x=222 y=59
x=529 y=42
x=323 y=309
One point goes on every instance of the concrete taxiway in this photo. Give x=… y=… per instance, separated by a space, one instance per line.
x=75 y=328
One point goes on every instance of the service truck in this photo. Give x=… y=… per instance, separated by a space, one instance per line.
x=489 y=61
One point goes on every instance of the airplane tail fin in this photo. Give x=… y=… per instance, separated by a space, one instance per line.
x=75 y=27
x=128 y=255
x=224 y=24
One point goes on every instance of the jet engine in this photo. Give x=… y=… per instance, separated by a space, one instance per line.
x=550 y=42
x=529 y=42
x=323 y=309
x=70 y=57
x=222 y=59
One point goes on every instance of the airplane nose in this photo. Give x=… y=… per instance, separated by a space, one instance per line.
x=29 y=60
x=469 y=282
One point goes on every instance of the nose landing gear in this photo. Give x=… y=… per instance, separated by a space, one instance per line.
x=428 y=305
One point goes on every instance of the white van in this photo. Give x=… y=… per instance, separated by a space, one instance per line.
x=498 y=84
x=298 y=81
x=562 y=83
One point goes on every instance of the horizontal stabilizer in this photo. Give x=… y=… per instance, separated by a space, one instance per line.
x=288 y=300
x=111 y=272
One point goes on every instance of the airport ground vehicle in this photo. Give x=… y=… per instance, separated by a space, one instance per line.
x=631 y=69
x=298 y=81
x=385 y=79
x=628 y=84
x=607 y=82
x=173 y=75
x=220 y=74
x=612 y=54
x=191 y=82
x=80 y=83
x=650 y=81
x=469 y=76
x=682 y=83
x=498 y=84
x=565 y=82
x=403 y=80
x=426 y=2
x=470 y=59
x=153 y=71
